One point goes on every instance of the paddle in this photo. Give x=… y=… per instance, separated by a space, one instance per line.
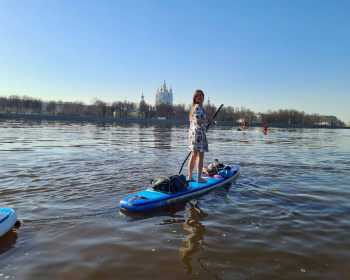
x=207 y=130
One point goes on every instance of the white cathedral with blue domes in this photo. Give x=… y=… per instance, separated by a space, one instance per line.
x=164 y=95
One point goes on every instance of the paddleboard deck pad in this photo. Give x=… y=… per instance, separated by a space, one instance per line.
x=150 y=198
x=8 y=219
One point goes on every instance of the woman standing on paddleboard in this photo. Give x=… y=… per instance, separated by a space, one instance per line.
x=197 y=135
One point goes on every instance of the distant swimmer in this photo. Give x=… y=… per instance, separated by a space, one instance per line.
x=244 y=126
x=265 y=128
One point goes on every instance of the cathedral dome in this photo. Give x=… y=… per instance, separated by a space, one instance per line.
x=142 y=102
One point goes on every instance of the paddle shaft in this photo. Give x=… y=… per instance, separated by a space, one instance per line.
x=207 y=130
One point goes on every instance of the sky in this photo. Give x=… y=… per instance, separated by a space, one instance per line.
x=261 y=55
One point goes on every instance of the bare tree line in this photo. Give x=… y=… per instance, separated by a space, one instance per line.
x=26 y=105
x=124 y=109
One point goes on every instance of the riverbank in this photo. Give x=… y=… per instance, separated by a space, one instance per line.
x=89 y=119
x=150 y=121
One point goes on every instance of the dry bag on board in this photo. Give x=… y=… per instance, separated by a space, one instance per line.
x=170 y=184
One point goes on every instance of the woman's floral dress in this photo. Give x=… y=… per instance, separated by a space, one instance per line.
x=197 y=136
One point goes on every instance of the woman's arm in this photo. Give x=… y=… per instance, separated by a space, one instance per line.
x=207 y=120
x=198 y=113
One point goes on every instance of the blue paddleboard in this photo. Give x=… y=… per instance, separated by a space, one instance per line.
x=8 y=218
x=150 y=198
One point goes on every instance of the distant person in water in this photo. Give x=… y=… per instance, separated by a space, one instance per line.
x=244 y=126
x=198 y=144
x=265 y=128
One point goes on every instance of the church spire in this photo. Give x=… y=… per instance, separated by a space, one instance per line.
x=142 y=100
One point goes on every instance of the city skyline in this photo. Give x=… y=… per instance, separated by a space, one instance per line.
x=262 y=55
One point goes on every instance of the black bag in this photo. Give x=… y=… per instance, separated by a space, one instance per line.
x=170 y=184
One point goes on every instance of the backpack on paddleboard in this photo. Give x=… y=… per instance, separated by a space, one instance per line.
x=170 y=184
x=215 y=168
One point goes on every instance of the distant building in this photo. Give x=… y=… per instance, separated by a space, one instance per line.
x=53 y=108
x=329 y=120
x=164 y=96
x=258 y=118
x=142 y=102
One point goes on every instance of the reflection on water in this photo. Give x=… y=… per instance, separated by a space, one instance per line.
x=8 y=241
x=163 y=137
x=196 y=232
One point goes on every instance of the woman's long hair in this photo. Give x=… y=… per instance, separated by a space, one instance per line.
x=194 y=102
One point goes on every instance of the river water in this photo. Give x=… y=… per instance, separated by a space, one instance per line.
x=286 y=217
